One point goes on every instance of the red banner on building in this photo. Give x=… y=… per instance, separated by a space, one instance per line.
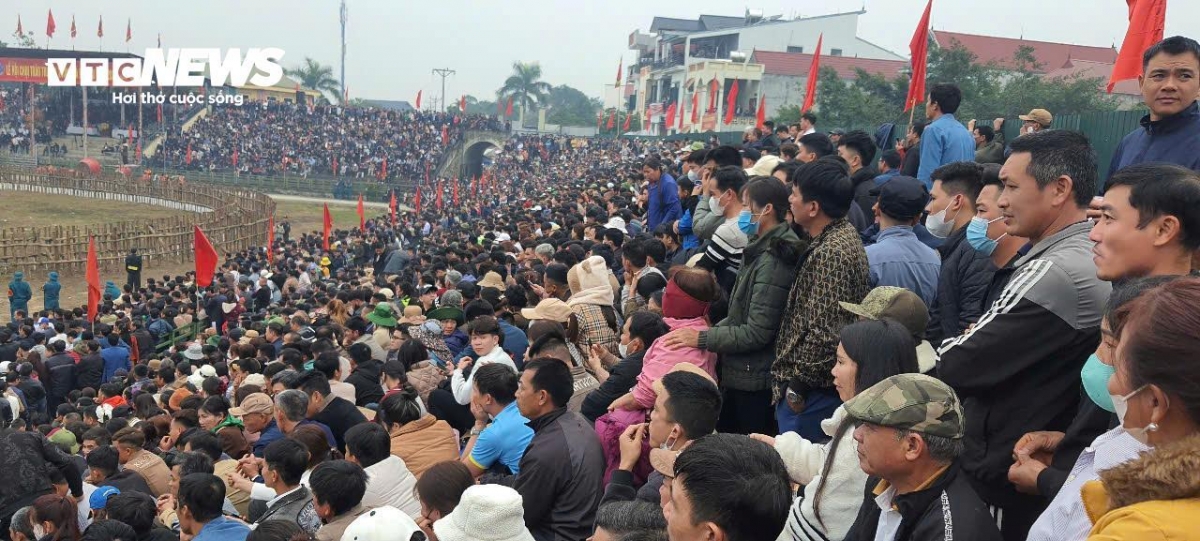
x=22 y=70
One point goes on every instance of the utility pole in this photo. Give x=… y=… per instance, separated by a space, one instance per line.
x=443 y=72
x=343 y=15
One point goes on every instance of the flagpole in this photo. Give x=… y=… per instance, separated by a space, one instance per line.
x=85 y=120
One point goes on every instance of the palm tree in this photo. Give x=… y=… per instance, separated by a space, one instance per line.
x=525 y=87
x=317 y=77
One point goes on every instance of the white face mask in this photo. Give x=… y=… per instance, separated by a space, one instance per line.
x=623 y=349
x=38 y=531
x=938 y=225
x=714 y=203
x=1121 y=405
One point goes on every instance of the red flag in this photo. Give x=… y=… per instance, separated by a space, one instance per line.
x=1146 y=21
x=670 y=116
x=417 y=200
x=160 y=113
x=620 y=68
x=326 y=228
x=625 y=127
x=128 y=30
x=362 y=215
x=94 y=290
x=508 y=109
x=20 y=29
x=455 y=194
x=730 y=102
x=73 y=26
x=696 y=108
x=682 y=109
x=206 y=257
x=439 y=195
x=445 y=135
x=762 y=112
x=462 y=104
x=419 y=99
x=392 y=207
x=187 y=158
x=385 y=167
x=235 y=157
x=919 y=47
x=612 y=120
x=139 y=150
x=129 y=134
x=270 y=237
x=814 y=72
x=100 y=29
x=712 y=95
x=50 y=26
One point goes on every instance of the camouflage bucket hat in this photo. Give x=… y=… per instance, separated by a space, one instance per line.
x=913 y=402
x=895 y=303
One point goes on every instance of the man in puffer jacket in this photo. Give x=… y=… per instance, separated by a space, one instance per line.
x=50 y=291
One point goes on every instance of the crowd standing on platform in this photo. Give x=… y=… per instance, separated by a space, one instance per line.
x=797 y=338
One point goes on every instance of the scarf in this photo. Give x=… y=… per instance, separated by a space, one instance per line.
x=229 y=420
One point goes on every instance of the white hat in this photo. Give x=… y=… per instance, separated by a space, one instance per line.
x=194 y=352
x=616 y=222
x=196 y=380
x=485 y=513
x=381 y=524
x=208 y=371
x=387 y=292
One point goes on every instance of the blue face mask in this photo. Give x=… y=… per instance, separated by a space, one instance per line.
x=744 y=223
x=1095 y=375
x=977 y=235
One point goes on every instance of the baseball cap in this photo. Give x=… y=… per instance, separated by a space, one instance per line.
x=902 y=198
x=895 y=303
x=253 y=403
x=381 y=524
x=99 y=497
x=913 y=402
x=1041 y=116
x=551 y=309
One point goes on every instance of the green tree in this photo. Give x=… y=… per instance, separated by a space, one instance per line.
x=23 y=41
x=570 y=107
x=474 y=106
x=314 y=75
x=525 y=86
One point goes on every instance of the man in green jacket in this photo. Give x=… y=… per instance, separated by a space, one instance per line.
x=746 y=337
x=19 y=294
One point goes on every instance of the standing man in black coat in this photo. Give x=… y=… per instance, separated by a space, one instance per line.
x=62 y=375
x=966 y=273
x=90 y=370
x=133 y=269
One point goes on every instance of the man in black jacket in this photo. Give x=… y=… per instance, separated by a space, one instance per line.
x=25 y=459
x=966 y=273
x=364 y=375
x=62 y=375
x=335 y=412
x=562 y=472
x=90 y=370
x=909 y=433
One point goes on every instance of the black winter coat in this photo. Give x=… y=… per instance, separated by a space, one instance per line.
x=62 y=376
x=89 y=371
x=26 y=457
x=962 y=288
x=367 y=386
x=947 y=509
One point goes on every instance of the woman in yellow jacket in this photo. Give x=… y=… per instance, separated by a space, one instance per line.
x=1156 y=392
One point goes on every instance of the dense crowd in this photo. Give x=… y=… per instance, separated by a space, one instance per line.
x=631 y=340
x=273 y=138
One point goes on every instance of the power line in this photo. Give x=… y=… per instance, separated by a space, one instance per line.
x=443 y=72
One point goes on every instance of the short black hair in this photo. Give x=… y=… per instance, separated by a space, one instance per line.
x=987 y=132
x=810 y=116
x=817 y=143
x=108 y=530
x=369 y=443
x=1158 y=189
x=105 y=459
x=203 y=441
x=190 y=463
x=861 y=143
x=763 y=191
x=730 y=178
x=693 y=401
x=498 y=380
x=553 y=376
x=1174 y=45
x=288 y=458
x=918 y=127
x=614 y=235
x=891 y=158
x=137 y=509
x=827 y=182
x=276 y=530
x=960 y=178
x=314 y=381
x=737 y=483
x=203 y=494
x=947 y=96
x=725 y=155
x=1056 y=153
x=340 y=484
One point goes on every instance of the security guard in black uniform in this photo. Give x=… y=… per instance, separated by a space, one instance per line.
x=133 y=268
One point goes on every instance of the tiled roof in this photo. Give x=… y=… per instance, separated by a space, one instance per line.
x=797 y=64
x=1001 y=50
x=1088 y=69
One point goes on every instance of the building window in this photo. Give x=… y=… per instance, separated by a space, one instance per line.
x=835 y=52
x=794 y=49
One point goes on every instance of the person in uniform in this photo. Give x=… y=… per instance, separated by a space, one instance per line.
x=133 y=268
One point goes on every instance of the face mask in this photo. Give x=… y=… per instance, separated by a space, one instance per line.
x=714 y=203
x=744 y=223
x=693 y=175
x=667 y=445
x=977 y=235
x=938 y=225
x=623 y=349
x=38 y=531
x=1121 y=405
x=1095 y=375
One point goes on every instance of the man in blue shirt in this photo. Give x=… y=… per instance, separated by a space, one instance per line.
x=945 y=139
x=662 y=194
x=898 y=258
x=201 y=497
x=498 y=446
x=1170 y=82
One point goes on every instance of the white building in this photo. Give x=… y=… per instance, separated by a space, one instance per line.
x=683 y=61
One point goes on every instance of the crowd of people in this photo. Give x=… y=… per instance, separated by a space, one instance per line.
x=631 y=340
x=274 y=138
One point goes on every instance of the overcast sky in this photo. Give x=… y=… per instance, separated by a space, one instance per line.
x=392 y=45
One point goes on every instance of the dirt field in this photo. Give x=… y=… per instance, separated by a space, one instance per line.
x=18 y=208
